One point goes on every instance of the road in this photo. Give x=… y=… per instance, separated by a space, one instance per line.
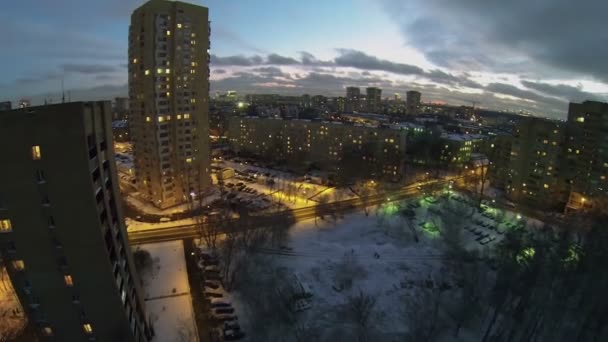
x=300 y=214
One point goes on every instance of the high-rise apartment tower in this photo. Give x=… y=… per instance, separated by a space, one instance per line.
x=62 y=233
x=169 y=100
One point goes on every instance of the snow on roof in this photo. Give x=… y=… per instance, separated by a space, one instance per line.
x=462 y=137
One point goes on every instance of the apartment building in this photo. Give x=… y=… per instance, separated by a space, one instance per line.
x=585 y=154
x=534 y=165
x=62 y=233
x=169 y=100
x=329 y=145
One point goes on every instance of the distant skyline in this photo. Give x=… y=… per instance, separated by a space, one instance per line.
x=528 y=55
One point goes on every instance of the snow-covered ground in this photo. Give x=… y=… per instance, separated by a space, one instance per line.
x=167 y=293
x=288 y=188
x=376 y=255
x=143 y=206
x=133 y=225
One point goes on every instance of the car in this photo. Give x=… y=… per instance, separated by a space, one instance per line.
x=212 y=284
x=231 y=325
x=212 y=275
x=218 y=305
x=210 y=262
x=223 y=310
x=233 y=334
x=220 y=301
x=223 y=317
x=210 y=293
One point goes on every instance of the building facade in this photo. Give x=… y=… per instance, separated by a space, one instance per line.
x=353 y=99
x=6 y=105
x=534 y=165
x=331 y=146
x=62 y=233
x=413 y=102
x=374 y=99
x=585 y=159
x=169 y=100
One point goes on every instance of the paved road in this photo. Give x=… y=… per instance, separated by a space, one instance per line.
x=339 y=207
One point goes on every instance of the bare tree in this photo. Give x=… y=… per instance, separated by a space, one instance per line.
x=408 y=217
x=422 y=314
x=347 y=270
x=360 y=309
x=468 y=303
x=321 y=208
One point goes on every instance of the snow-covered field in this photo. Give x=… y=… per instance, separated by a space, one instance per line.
x=133 y=225
x=167 y=292
x=376 y=255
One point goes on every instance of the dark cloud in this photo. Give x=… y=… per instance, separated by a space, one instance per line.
x=218 y=71
x=238 y=60
x=87 y=68
x=527 y=37
x=511 y=90
x=271 y=72
x=280 y=60
x=360 y=60
x=566 y=92
x=225 y=35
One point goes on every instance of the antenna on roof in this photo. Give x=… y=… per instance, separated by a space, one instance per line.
x=62 y=92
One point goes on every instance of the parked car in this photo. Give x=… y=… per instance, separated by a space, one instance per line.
x=211 y=293
x=212 y=284
x=233 y=334
x=224 y=317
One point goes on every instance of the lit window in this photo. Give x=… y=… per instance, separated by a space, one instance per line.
x=179 y=116
x=47 y=331
x=193 y=63
x=580 y=119
x=168 y=33
x=546 y=186
x=167 y=71
x=5 y=226
x=159 y=71
x=192 y=100
x=188 y=160
x=18 y=265
x=87 y=328
x=168 y=117
x=186 y=116
x=179 y=26
x=147 y=119
x=193 y=35
x=36 y=152
x=68 y=280
x=168 y=93
x=147 y=72
x=161 y=118
x=134 y=60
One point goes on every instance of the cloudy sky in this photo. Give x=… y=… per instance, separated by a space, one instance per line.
x=534 y=55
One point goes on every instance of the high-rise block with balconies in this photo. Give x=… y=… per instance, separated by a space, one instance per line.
x=169 y=100
x=62 y=233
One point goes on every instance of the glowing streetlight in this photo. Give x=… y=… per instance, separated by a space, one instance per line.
x=518 y=216
x=240 y=105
